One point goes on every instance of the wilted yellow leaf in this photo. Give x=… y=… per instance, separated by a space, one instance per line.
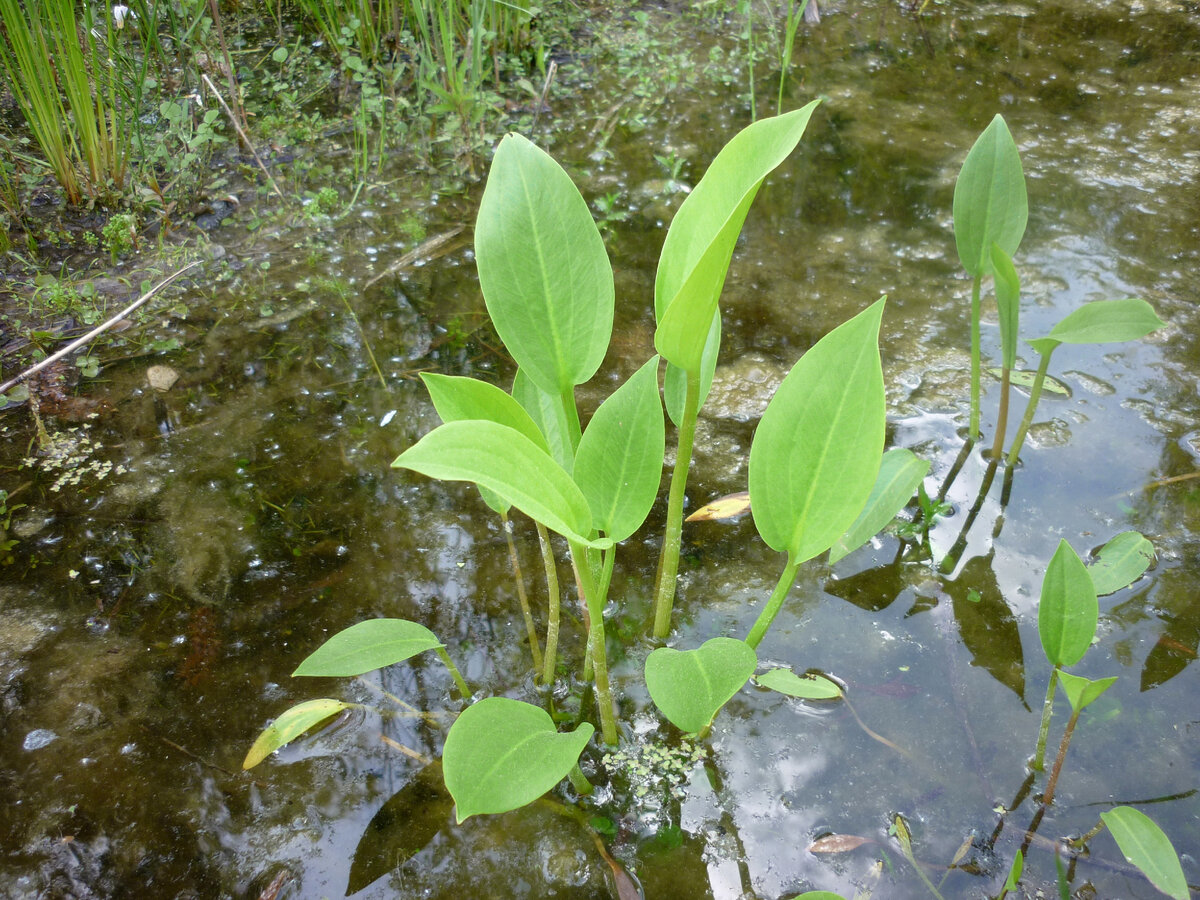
x=838 y=843
x=726 y=507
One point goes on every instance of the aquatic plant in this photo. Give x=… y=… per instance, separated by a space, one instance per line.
x=813 y=469
x=819 y=479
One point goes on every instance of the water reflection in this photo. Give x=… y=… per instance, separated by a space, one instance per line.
x=265 y=518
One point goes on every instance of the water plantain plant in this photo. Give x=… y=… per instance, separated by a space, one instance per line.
x=548 y=285
x=819 y=479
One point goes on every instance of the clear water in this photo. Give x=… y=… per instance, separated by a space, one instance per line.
x=149 y=622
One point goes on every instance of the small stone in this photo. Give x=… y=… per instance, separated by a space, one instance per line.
x=39 y=738
x=161 y=378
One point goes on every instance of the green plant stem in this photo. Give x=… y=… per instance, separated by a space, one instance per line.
x=530 y=629
x=774 y=604
x=1039 y=755
x=366 y=343
x=579 y=781
x=553 y=605
x=463 y=690
x=597 y=654
x=1035 y=394
x=574 y=431
x=975 y=366
x=1052 y=781
x=668 y=565
x=1002 y=416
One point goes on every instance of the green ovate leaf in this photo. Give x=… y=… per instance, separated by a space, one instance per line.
x=619 y=463
x=501 y=754
x=990 y=202
x=900 y=473
x=699 y=245
x=1008 y=302
x=290 y=725
x=1068 y=611
x=804 y=687
x=1121 y=562
x=505 y=461
x=1147 y=847
x=817 y=450
x=367 y=646
x=547 y=412
x=545 y=276
x=1082 y=692
x=690 y=686
x=456 y=399
x=1106 y=322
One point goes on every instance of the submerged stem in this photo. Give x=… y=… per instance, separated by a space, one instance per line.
x=530 y=629
x=668 y=565
x=579 y=781
x=1002 y=415
x=1035 y=394
x=1052 y=782
x=550 y=662
x=463 y=690
x=975 y=368
x=595 y=606
x=1039 y=755
x=774 y=604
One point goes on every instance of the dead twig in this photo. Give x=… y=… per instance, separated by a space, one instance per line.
x=246 y=140
x=423 y=251
x=97 y=331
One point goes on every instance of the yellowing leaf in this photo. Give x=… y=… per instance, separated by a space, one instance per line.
x=728 y=507
x=838 y=843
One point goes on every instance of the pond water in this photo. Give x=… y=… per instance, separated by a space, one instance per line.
x=149 y=621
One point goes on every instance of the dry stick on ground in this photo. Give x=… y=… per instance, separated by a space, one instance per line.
x=423 y=251
x=246 y=140
x=97 y=331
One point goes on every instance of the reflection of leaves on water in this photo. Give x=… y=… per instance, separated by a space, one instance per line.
x=402 y=828
x=986 y=624
x=1171 y=653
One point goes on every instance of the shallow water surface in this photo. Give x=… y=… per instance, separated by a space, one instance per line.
x=149 y=622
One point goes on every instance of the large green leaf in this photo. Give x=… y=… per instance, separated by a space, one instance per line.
x=1008 y=302
x=457 y=398
x=619 y=463
x=1107 y=322
x=1147 y=847
x=990 y=202
x=545 y=276
x=817 y=449
x=691 y=686
x=366 y=646
x=290 y=725
x=899 y=474
x=699 y=245
x=1121 y=562
x=1068 y=611
x=501 y=754
x=547 y=412
x=1082 y=692
x=505 y=461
